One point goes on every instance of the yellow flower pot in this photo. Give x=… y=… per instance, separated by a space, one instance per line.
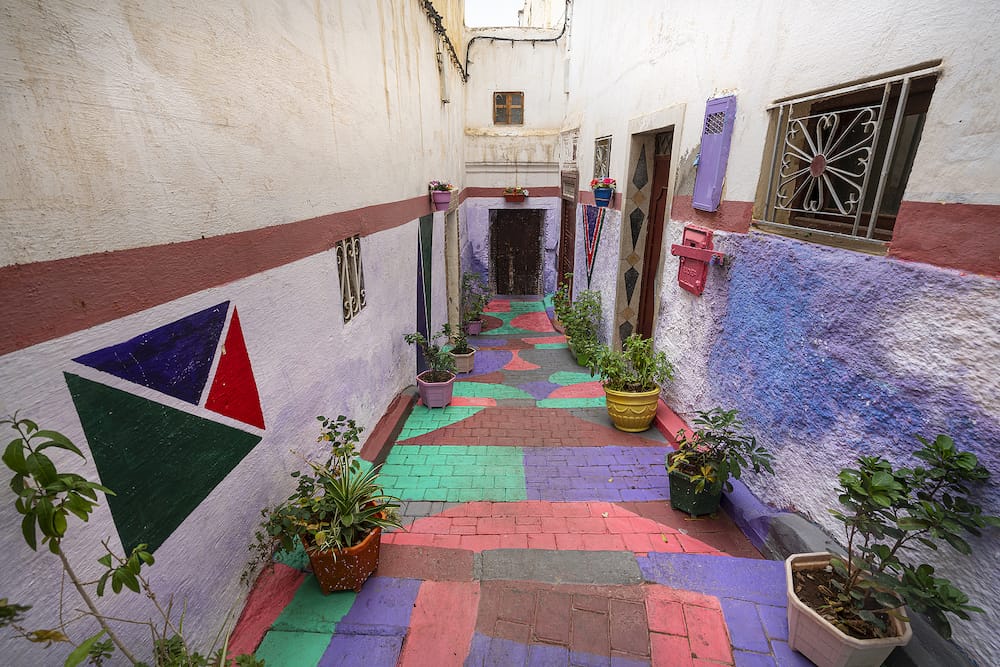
x=630 y=411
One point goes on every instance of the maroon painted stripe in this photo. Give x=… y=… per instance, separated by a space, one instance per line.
x=732 y=216
x=957 y=236
x=547 y=191
x=45 y=300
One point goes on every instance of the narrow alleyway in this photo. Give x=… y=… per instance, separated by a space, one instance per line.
x=537 y=534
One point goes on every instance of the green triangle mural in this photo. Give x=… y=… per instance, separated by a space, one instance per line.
x=161 y=462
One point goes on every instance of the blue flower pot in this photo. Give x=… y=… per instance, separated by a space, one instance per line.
x=603 y=196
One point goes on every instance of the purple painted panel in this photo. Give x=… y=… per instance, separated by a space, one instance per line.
x=720 y=114
x=174 y=359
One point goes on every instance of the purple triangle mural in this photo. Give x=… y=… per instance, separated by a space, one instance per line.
x=174 y=359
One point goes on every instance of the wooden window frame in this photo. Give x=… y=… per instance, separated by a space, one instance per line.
x=508 y=106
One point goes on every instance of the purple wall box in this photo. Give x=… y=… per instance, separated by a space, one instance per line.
x=720 y=114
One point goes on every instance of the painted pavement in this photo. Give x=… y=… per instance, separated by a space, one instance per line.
x=536 y=534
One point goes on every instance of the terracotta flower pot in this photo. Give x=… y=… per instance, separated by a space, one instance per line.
x=819 y=640
x=464 y=363
x=514 y=198
x=435 y=394
x=346 y=569
x=632 y=411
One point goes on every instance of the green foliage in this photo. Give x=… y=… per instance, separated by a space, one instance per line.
x=333 y=507
x=475 y=295
x=441 y=364
x=635 y=368
x=583 y=322
x=562 y=300
x=886 y=512
x=11 y=613
x=459 y=339
x=718 y=449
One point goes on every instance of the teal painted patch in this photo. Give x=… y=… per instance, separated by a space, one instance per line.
x=424 y=420
x=455 y=473
x=160 y=462
x=293 y=649
x=487 y=390
x=567 y=378
x=551 y=346
x=297 y=557
x=311 y=611
x=596 y=402
x=522 y=307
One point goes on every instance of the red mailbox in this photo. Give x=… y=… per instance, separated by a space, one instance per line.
x=695 y=251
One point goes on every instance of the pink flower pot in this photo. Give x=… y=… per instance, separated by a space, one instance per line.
x=474 y=328
x=435 y=394
x=441 y=199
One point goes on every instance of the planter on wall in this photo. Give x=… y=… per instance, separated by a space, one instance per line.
x=603 y=197
x=441 y=198
x=514 y=198
x=685 y=497
x=632 y=411
x=816 y=638
x=435 y=394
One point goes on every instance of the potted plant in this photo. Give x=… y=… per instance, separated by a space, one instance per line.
x=440 y=194
x=632 y=377
x=582 y=322
x=515 y=193
x=337 y=512
x=604 y=191
x=850 y=610
x=561 y=303
x=718 y=449
x=436 y=384
x=475 y=296
x=463 y=353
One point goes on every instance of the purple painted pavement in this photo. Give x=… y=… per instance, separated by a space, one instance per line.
x=614 y=474
x=488 y=651
x=745 y=629
x=539 y=389
x=752 y=580
x=745 y=659
x=490 y=361
x=486 y=341
x=353 y=650
x=372 y=631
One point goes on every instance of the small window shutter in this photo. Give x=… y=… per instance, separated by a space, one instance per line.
x=720 y=113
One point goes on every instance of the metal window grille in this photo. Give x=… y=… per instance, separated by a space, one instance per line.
x=835 y=163
x=352 y=276
x=602 y=157
x=715 y=122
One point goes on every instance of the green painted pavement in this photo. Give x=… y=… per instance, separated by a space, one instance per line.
x=293 y=649
x=596 y=402
x=487 y=390
x=424 y=420
x=455 y=473
x=551 y=346
x=521 y=307
x=311 y=611
x=567 y=377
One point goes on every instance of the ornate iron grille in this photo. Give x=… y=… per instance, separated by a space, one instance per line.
x=352 y=276
x=715 y=123
x=602 y=157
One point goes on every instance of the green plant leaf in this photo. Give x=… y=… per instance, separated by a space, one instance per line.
x=56 y=439
x=28 y=530
x=13 y=457
x=79 y=654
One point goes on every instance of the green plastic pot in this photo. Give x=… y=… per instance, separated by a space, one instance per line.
x=685 y=497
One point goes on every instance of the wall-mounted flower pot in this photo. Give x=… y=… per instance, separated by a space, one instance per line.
x=514 y=198
x=441 y=199
x=434 y=394
x=603 y=197
x=819 y=640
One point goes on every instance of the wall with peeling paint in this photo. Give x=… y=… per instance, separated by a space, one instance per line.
x=827 y=353
x=156 y=125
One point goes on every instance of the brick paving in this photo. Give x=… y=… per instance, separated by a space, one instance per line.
x=536 y=534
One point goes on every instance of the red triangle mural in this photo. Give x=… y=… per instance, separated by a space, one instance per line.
x=234 y=391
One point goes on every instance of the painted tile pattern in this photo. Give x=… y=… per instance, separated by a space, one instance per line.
x=532 y=470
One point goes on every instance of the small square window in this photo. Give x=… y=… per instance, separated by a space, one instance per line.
x=602 y=157
x=508 y=108
x=352 y=276
x=842 y=159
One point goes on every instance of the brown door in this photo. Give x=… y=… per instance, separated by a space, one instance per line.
x=567 y=229
x=516 y=251
x=654 y=235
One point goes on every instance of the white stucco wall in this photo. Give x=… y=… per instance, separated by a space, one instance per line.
x=132 y=124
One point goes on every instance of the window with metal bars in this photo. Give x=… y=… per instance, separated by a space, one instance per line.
x=840 y=160
x=352 y=276
x=508 y=108
x=602 y=157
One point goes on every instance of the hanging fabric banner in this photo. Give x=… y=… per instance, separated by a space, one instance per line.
x=594 y=220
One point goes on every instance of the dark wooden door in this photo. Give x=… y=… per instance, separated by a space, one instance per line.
x=654 y=235
x=516 y=251
x=567 y=229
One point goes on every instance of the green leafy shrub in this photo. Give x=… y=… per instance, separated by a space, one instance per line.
x=583 y=324
x=441 y=364
x=718 y=449
x=634 y=368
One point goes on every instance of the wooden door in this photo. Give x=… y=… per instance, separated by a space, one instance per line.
x=654 y=235
x=516 y=251
x=567 y=229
